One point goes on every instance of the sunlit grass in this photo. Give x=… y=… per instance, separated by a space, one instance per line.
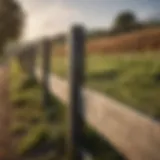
x=131 y=78
x=30 y=126
x=41 y=133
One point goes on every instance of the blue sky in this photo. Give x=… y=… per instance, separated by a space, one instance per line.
x=49 y=17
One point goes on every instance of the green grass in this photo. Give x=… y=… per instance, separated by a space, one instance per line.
x=131 y=78
x=31 y=129
x=40 y=133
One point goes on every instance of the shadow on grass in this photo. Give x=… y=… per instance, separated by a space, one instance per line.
x=28 y=83
x=41 y=144
x=93 y=143
x=98 y=147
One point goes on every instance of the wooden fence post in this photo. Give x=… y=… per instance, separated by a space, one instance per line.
x=46 y=57
x=27 y=60
x=76 y=113
x=6 y=145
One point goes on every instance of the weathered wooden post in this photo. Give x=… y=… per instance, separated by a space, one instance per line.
x=32 y=51
x=27 y=59
x=76 y=122
x=6 y=146
x=46 y=57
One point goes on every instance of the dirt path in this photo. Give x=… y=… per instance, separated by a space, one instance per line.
x=5 y=113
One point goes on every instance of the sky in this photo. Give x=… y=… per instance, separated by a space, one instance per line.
x=51 y=17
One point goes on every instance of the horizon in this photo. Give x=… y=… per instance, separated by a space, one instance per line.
x=52 y=17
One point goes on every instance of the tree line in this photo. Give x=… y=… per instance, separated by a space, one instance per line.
x=124 y=22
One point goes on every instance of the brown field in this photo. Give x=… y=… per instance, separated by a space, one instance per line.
x=147 y=39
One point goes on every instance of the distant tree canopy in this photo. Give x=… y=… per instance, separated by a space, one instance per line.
x=125 y=21
x=11 y=22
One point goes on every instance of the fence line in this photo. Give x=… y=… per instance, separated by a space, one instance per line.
x=134 y=135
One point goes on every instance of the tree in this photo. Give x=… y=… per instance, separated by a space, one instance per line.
x=11 y=22
x=125 y=21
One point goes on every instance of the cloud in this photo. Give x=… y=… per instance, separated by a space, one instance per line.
x=47 y=17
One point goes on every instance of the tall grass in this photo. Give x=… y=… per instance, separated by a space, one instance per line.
x=131 y=78
x=41 y=133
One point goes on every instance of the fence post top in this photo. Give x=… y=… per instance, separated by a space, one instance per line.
x=77 y=28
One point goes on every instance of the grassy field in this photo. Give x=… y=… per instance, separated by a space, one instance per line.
x=35 y=132
x=41 y=133
x=133 y=78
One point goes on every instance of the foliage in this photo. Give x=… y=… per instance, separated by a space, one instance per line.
x=11 y=21
x=125 y=21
